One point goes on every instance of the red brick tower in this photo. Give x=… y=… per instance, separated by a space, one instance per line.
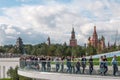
x=73 y=41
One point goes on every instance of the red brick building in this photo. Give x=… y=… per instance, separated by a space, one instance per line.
x=95 y=42
x=73 y=41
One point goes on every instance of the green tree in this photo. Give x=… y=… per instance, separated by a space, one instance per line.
x=12 y=50
x=58 y=51
x=2 y=49
x=13 y=73
x=91 y=50
x=28 y=48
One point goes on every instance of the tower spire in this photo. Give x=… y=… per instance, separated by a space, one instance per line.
x=73 y=29
x=73 y=34
x=73 y=41
x=95 y=37
x=48 y=41
x=95 y=30
x=108 y=44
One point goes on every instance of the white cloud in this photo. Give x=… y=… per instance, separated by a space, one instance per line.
x=29 y=33
x=56 y=20
x=10 y=31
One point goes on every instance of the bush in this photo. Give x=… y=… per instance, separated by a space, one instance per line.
x=12 y=73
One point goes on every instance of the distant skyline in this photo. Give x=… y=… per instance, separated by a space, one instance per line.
x=35 y=20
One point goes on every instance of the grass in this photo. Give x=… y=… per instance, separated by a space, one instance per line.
x=96 y=61
x=6 y=79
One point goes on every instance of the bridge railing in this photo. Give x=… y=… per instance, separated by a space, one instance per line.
x=68 y=67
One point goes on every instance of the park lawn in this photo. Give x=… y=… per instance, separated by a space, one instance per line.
x=6 y=79
x=96 y=61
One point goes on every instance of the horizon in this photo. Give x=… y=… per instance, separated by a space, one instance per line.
x=36 y=20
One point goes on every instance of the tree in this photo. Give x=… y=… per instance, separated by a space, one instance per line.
x=14 y=75
x=12 y=50
x=68 y=51
x=51 y=50
x=58 y=51
x=2 y=49
x=28 y=48
x=91 y=50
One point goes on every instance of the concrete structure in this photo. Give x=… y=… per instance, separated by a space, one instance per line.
x=5 y=64
x=61 y=76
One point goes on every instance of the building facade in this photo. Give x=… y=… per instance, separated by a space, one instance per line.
x=99 y=44
x=73 y=40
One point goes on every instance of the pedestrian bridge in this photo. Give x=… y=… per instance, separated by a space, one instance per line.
x=6 y=63
x=30 y=69
x=52 y=74
x=37 y=75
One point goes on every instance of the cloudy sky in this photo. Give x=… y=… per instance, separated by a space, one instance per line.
x=35 y=20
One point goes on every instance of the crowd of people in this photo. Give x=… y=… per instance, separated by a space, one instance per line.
x=67 y=64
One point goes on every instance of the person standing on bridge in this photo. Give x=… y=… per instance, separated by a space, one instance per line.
x=43 y=63
x=83 y=61
x=101 y=66
x=57 y=64
x=90 y=65
x=68 y=64
x=48 y=61
x=78 y=71
x=105 y=64
x=115 y=65
x=62 y=64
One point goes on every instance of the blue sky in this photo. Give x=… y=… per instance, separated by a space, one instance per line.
x=35 y=20
x=9 y=3
x=13 y=3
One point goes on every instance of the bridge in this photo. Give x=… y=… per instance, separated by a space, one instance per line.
x=39 y=74
x=33 y=72
x=62 y=76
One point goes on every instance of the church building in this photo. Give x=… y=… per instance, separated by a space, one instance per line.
x=95 y=42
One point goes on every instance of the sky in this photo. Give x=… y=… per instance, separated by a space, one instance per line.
x=36 y=20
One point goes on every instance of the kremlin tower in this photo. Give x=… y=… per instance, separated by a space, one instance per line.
x=73 y=41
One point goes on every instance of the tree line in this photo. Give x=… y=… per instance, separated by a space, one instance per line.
x=55 y=50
